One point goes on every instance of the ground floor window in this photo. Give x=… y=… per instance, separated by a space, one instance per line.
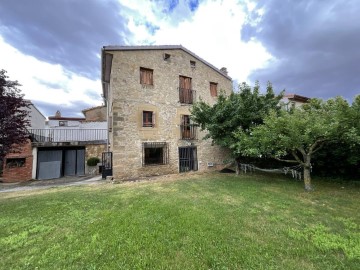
x=155 y=153
x=15 y=162
x=188 y=159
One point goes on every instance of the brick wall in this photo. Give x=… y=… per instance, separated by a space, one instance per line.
x=14 y=169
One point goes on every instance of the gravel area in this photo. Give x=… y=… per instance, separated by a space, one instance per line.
x=43 y=184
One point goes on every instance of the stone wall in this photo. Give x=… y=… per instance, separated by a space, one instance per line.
x=93 y=150
x=129 y=98
x=95 y=114
x=18 y=164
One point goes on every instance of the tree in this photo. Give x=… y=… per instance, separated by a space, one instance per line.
x=342 y=157
x=13 y=115
x=238 y=111
x=295 y=136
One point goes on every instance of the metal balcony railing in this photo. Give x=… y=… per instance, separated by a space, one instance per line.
x=188 y=132
x=186 y=96
x=68 y=135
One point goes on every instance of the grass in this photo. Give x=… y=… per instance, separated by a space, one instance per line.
x=210 y=221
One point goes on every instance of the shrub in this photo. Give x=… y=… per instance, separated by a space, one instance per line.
x=93 y=161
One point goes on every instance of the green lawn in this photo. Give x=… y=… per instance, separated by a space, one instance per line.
x=211 y=221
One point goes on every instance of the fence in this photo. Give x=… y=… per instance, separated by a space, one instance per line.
x=68 y=135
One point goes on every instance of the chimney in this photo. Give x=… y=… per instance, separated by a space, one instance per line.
x=57 y=114
x=224 y=71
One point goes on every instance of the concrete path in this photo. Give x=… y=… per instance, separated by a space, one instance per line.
x=44 y=184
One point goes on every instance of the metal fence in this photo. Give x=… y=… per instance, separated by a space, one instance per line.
x=68 y=135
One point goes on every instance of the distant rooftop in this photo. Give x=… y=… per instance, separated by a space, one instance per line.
x=296 y=97
x=59 y=117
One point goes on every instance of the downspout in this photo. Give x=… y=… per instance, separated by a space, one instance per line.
x=106 y=63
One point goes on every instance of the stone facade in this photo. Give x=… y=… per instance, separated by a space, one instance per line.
x=95 y=114
x=93 y=150
x=128 y=99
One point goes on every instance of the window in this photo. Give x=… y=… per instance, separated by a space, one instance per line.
x=192 y=64
x=166 y=56
x=155 y=153
x=63 y=123
x=148 y=119
x=186 y=94
x=146 y=76
x=15 y=162
x=187 y=128
x=213 y=89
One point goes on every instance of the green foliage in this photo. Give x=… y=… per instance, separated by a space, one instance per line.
x=321 y=236
x=216 y=222
x=13 y=115
x=92 y=161
x=299 y=132
x=238 y=111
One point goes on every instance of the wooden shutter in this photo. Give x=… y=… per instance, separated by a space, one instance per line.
x=213 y=89
x=185 y=90
x=146 y=76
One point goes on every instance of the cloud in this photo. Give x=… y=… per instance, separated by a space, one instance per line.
x=314 y=44
x=68 y=33
x=49 y=85
x=210 y=29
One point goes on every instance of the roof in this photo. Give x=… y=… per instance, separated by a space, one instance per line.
x=160 y=47
x=32 y=104
x=67 y=118
x=296 y=97
x=92 y=108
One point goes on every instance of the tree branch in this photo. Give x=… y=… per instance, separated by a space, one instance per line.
x=296 y=156
x=316 y=143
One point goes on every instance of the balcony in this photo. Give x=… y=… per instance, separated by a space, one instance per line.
x=188 y=132
x=51 y=136
x=186 y=96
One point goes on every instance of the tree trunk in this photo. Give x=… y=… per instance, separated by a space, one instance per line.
x=307 y=176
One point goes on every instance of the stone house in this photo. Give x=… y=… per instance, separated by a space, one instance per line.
x=97 y=113
x=149 y=91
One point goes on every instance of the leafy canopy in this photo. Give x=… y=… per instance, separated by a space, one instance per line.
x=238 y=111
x=13 y=115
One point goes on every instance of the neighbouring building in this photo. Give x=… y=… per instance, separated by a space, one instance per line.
x=64 y=145
x=149 y=91
x=57 y=147
x=293 y=101
x=95 y=113
x=18 y=164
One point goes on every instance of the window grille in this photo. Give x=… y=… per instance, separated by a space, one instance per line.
x=155 y=153
x=15 y=162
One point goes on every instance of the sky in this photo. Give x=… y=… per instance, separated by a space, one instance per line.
x=307 y=47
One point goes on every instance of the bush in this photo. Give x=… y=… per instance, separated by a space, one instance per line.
x=93 y=161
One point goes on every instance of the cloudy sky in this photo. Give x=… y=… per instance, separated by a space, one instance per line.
x=308 y=47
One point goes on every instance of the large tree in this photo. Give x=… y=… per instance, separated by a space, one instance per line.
x=238 y=111
x=295 y=136
x=13 y=115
